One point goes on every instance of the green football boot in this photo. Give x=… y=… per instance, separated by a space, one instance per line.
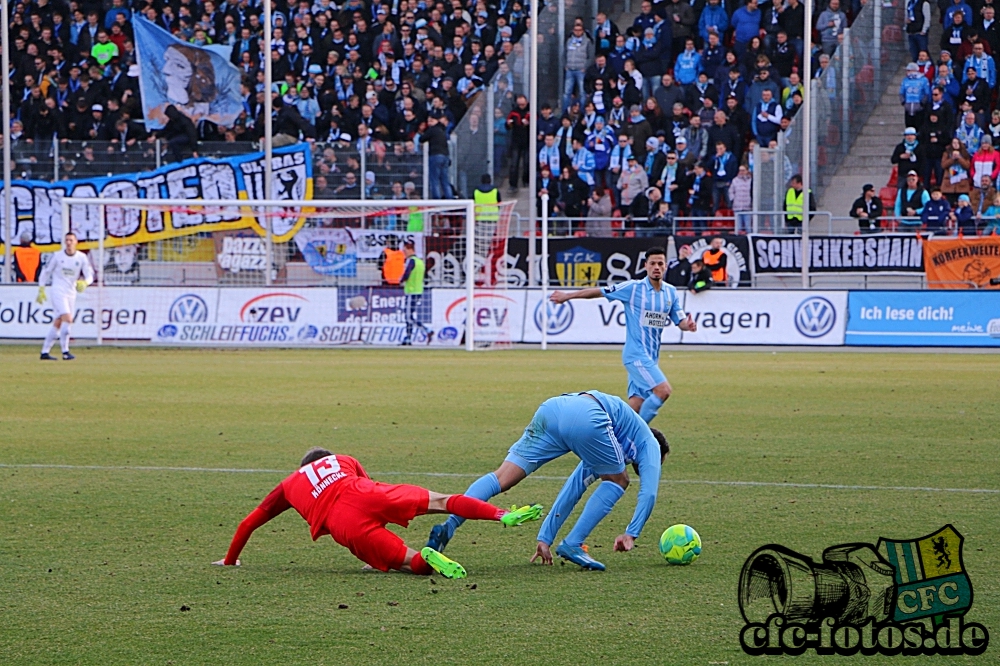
x=520 y=516
x=445 y=566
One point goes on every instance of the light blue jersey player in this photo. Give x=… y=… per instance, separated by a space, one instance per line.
x=576 y=485
x=606 y=434
x=650 y=306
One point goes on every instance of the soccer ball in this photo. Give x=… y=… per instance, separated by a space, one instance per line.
x=680 y=544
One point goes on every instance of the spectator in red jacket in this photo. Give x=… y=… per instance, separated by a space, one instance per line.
x=986 y=161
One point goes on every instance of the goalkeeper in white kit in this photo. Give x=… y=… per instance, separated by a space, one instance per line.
x=70 y=273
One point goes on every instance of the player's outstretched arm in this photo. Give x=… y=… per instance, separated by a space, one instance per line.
x=688 y=324
x=274 y=504
x=649 y=484
x=563 y=296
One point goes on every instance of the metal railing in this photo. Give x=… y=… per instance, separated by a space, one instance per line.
x=749 y=222
x=754 y=222
x=389 y=170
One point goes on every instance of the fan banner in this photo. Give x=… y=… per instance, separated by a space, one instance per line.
x=839 y=254
x=599 y=262
x=198 y=81
x=960 y=263
x=329 y=251
x=37 y=205
x=371 y=242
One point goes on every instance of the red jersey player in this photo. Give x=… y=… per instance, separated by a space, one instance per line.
x=337 y=497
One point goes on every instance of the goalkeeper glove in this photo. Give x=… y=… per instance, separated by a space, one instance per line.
x=81 y=285
x=41 y=296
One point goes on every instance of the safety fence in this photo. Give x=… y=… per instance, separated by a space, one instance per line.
x=844 y=94
x=342 y=170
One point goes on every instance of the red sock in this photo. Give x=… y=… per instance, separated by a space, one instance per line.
x=419 y=567
x=473 y=509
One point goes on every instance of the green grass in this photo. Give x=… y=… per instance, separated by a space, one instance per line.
x=95 y=564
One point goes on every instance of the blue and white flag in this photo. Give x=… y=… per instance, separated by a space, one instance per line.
x=198 y=80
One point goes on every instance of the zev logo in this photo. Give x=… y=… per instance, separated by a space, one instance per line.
x=560 y=317
x=815 y=317
x=273 y=308
x=189 y=309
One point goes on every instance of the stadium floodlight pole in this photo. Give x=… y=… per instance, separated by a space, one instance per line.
x=8 y=218
x=268 y=136
x=532 y=129
x=470 y=274
x=807 y=138
x=545 y=272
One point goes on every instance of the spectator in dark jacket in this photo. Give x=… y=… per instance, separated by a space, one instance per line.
x=700 y=278
x=573 y=194
x=724 y=167
x=909 y=154
x=181 y=135
x=701 y=189
x=936 y=212
x=866 y=209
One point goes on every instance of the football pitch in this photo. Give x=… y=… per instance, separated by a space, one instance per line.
x=125 y=473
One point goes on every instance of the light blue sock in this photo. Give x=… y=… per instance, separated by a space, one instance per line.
x=598 y=506
x=650 y=406
x=482 y=488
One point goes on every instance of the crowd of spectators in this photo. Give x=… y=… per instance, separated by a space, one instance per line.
x=657 y=119
x=947 y=164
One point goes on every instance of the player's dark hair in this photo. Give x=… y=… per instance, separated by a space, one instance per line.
x=69 y=233
x=662 y=441
x=655 y=250
x=315 y=453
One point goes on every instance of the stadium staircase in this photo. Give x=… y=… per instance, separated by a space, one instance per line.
x=868 y=160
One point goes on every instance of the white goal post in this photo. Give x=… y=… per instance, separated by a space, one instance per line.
x=120 y=224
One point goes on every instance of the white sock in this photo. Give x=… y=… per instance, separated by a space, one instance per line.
x=64 y=338
x=50 y=339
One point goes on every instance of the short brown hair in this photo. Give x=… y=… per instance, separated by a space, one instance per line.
x=314 y=454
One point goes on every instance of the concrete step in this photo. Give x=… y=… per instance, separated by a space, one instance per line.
x=882 y=128
x=880 y=149
x=874 y=164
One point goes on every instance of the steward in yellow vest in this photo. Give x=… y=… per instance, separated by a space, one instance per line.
x=487 y=198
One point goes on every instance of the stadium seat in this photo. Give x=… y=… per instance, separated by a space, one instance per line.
x=888 y=196
x=893 y=177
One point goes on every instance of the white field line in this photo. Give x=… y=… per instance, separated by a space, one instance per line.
x=540 y=477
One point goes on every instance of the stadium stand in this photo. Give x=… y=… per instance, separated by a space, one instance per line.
x=689 y=85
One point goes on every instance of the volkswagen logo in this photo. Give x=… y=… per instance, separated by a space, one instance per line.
x=560 y=317
x=189 y=309
x=815 y=317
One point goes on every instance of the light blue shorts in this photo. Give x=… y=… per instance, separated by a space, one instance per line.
x=642 y=377
x=568 y=423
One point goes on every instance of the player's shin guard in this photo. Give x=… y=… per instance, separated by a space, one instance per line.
x=419 y=567
x=471 y=508
x=50 y=339
x=650 y=406
x=64 y=337
x=483 y=489
x=598 y=506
